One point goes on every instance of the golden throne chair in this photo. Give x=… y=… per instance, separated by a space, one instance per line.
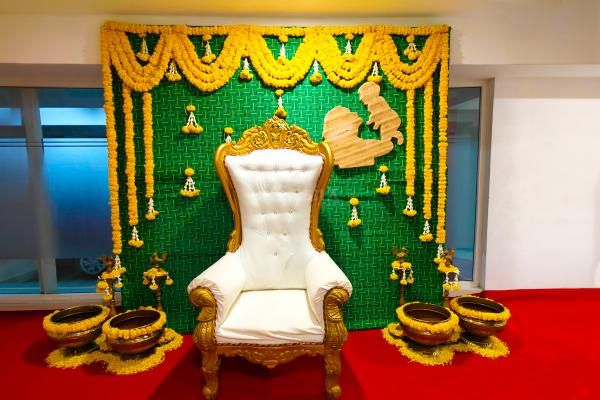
x=276 y=294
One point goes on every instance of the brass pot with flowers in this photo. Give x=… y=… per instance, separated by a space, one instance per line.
x=427 y=324
x=134 y=332
x=481 y=318
x=75 y=327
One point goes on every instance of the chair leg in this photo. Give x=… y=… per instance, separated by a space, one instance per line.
x=210 y=371
x=332 y=373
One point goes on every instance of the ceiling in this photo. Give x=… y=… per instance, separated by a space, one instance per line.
x=259 y=8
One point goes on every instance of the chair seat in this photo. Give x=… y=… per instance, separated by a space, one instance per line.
x=268 y=317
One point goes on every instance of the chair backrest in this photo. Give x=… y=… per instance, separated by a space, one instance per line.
x=274 y=178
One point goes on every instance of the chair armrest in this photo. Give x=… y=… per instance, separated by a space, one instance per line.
x=224 y=279
x=322 y=275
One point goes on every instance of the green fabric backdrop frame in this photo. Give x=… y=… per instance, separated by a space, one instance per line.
x=195 y=231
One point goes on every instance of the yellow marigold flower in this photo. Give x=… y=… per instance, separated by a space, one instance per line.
x=118 y=285
x=206 y=37
x=394 y=276
x=406 y=265
x=283 y=38
x=396 y=264
x=446 y=286
x=383 y=168
x=102 y=285
x=316 y=78
x=189 y=171
x=410 y=213
x=280 y=112
x=190 y=108
x=169 y=282
x=353 y=201
x=153 y=287
x=228 y=130
x=410 y=38
x=403 y=282
x=107 y=297
x=412 y=56
x=279 y=92
x=375 y=78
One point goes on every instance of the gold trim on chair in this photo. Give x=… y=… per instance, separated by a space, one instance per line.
x=275 y=133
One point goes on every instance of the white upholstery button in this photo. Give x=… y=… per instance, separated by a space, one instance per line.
x=290 y=212
x=268 y=233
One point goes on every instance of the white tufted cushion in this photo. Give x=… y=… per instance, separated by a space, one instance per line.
x=275 y=188
x=271 y=317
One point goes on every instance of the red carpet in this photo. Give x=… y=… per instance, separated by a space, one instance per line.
x=553 y=335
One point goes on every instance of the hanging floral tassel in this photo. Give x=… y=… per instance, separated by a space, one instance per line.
x=168 y=280
x=119 y=283
x=245 y=73
x=143 y=54
x=383 y=188
x=189 y=189
x=411 y=51
x=375 y=77
x=280 y=112
x=426 y=236
x=282 y=56
x=354 y=220
x=208 y=56
x=439 y=255
x=316 y=77
x=409 y=210
x=227 y=131
x=191 y=126
x=135 y=240
x=172 y=74
x=152 y=213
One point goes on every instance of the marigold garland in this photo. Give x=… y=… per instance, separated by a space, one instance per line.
x=148 y=155
x=410 y=170
x=64 y=328
x=442 y=145
x=116 y=333
x=440 y=327
x=343 y=70
x=111 y=139
x=442 y=356
x=482 y=315
x=115 y=363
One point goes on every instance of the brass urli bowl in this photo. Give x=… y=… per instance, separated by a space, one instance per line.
x=131 y=320
x=429 y=314
x=73 y=315
x=478 y=330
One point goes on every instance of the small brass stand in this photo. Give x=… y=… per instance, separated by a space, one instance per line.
x=109 y=279
x=155 y=275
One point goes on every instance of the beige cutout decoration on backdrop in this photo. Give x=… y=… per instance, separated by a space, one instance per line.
x=341 y=127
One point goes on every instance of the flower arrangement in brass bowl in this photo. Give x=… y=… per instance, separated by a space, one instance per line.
x=134 y=332
x=75 y=327
x=427 y=324
x=480 y=318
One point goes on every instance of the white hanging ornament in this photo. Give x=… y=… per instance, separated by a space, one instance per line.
x=384 y=188
x=172 y=74
x=245 y=74
x=143 y=54
x=191 y=126
x=152 y=213
x=409 y=210
x=375 y=77
x=189 y=188
x=135 y=240
x=426 y=236
x=354 y=220
x=282 y=56
x=208 y=56
x=280 y=111
x=316 y=77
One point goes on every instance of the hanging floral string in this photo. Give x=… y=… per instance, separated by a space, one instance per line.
x=148 y=155
x=132 y=209
x=411 y=50
x=354 y=220
x=227 y=131
x=208 y=56
x=442 y=148
x=383 y=188
x=245 y=73
x=282 y=59
x=410 y=153
x=191 y=126
x=172 y=74
x=111 y=139
x=189 y=189
x=427 y=236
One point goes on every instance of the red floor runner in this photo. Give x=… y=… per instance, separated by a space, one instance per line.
x=554 y=337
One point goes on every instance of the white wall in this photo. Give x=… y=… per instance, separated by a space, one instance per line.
x=544 y=214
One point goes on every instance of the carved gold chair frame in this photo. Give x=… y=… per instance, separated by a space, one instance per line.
x=275 y=133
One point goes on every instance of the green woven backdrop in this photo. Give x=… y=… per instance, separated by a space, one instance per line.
x=195 y=231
